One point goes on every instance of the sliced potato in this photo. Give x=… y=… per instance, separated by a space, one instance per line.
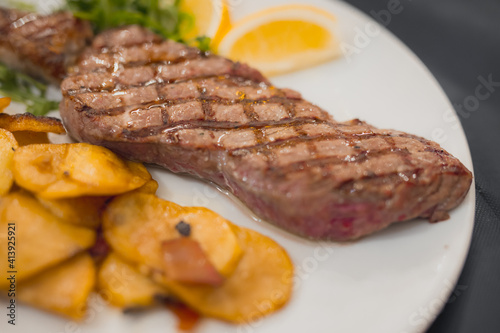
x=261 y=283
x=62 y=289
x=29 y=129
x=150 y=187
x=8 y=145
x=32 y=123
x=136 y=224
x=122 y=285
x=73 y=170
x=40 y=239
x=80 y=211
x=4 y=102
x=25 y=138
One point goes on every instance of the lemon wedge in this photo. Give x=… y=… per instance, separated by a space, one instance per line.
x=210 y=18
x=282 y=39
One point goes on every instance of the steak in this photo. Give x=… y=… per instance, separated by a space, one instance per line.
x=42 y=46
x=288 y=160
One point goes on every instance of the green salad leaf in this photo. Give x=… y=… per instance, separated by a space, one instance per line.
x=24 y=89
x=161 y=16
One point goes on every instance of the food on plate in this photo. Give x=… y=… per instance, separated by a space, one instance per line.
x=151 y=186
x=42 y=240
x=4 y=102
x=283 y=39
x=26 y=122
x=257 y=272
x=8 y=145
x=41 y=45
x=63 y=289
x=285 y=158
x=167 y=18
x=260 y=285
x=210 y=18
x=135 y=225
x=124 y=286
x=73 y=170
x=29 y=129
x=23 y=88
x=66 y=230
x=80 y=211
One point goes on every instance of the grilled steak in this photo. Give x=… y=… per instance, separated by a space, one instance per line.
x=41 y=46
x=288 y=160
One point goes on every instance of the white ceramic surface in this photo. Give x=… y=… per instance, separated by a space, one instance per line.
x=395 y=281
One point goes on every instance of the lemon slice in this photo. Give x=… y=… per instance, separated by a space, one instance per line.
x=210 y=18
x=283 y=39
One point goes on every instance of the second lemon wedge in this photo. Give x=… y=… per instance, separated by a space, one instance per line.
x=283 y=39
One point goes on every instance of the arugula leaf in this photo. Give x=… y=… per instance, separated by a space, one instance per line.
x=161 y=16
x=24 y=89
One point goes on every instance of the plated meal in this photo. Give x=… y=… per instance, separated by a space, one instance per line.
x=159 y=101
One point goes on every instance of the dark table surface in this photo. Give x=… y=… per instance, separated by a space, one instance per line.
x=459 y=41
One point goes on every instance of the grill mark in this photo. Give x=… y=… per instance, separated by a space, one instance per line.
x=292 y=141
x=250 y=112
x=179 y=59
x=392 y=143
x=158 y=41
x=220 y=126
x=162 y=102
x=311 y=147
x=205 y=105
x=159 y=83
x=335 y=160
x=263 y=147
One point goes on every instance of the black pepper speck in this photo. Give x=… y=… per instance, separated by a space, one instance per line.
x=183 y=228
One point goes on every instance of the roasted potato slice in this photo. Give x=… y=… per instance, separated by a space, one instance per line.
x=122 y=285
x=150 y=187
x=62 y=289
x=30 y=129
x=73 y=170
x=8 y=145
x=40 y=239
x=4 y=102
x=261 y=283
x=31 y=123
x=25 y=138
x=80 y=211
x=136 y=224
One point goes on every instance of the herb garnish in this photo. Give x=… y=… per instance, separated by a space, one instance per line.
x=160 y=16
x=22 y=88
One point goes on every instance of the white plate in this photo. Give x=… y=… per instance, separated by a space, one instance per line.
x=394 y=281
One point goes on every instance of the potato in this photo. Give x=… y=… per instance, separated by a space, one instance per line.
x=149 y=188
x=122 y=285
x=4 y=102
x=40 y=239
x=80 y=211
x=25 y=138
x=8 y=145
x=30 y=129
x=73 y=170
x=62 y=289
x=29 y=122
x=261 y=283
x=136 y=224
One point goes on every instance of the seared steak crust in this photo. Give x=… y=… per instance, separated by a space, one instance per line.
x=287 y=159
x=41 y=45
